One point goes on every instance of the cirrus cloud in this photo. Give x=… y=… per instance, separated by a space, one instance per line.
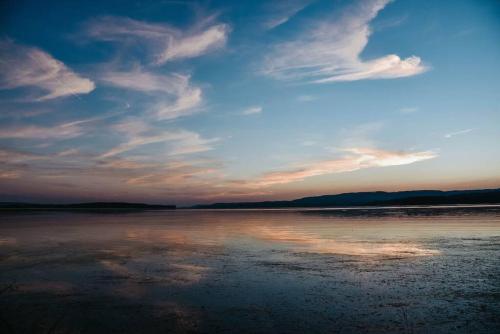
x=166 y=42
x=330 y=51
x=181 y=142
x=175 y=96
x=252 y=111
x=358 y=158
x=25 y=66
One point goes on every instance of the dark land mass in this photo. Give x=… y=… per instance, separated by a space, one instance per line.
x=84 y=206
x=376 y=198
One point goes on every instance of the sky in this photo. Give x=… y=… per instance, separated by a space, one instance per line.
x=188 y=102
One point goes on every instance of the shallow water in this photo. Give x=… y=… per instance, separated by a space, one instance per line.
x=425 y=270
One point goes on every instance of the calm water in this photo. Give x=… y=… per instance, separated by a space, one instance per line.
x=401 y=270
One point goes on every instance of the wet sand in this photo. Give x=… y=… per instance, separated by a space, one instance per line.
x=423 y=270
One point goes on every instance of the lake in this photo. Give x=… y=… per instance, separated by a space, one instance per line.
x=378 y=270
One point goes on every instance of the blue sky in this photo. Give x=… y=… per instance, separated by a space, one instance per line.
x=186 y=102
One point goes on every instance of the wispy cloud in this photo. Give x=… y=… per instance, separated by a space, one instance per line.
x=15 y=156
x=68 y=152
x=360 y=135
x=330 y=51
x=191 y=142
x=177 y=174
x=283 y=11
x=306 y=98
x=57 y=132
x=9 y=174
x=357 y=158
x=180 y=141
x=166 y=42
x=457 y=133
x=187 y=103
x=24 y=66
x=252 y=110
x=175 y=96
x=62 y=131
x=14 y=162
x=118 y=163
x=408 y=110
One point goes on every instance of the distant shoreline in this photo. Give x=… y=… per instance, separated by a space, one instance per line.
x=374 y=199
x=93 y=206
x=362 y=200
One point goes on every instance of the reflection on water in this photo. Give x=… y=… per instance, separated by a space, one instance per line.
x=252 y=271
x=313 y=243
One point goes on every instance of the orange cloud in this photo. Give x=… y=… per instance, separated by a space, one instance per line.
x=359 y=158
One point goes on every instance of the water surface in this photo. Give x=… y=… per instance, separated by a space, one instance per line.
x=419 y=270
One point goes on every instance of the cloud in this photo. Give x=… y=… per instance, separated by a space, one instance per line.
x=457 y=133
x=408 y=110
x=195 y=45
x=330 y=51
x=166 y=42
x=185 y=104
x=24 y=66
x=283 y=11
x=62 y=131
x=180 y=141
x=8 y=156
x=131 y=126
x=358 y=158
x=175 y=96
x=144 y=81
x=68 y=152
x=252 y=110
x=190 y=142
x=9 y=175
x=306 y=98
x=14 y=162
x=360 y=135
x=141 y=140
x=181 y=174
x=125 y=164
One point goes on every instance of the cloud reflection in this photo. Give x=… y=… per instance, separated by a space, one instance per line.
x=310 y=242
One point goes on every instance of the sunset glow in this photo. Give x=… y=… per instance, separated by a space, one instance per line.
x=186 y=102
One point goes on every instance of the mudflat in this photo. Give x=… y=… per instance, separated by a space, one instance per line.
x=379 y=270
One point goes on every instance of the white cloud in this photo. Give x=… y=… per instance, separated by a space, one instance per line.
x=457 y=133
x=283 y=11
x=358 y=158
x=185 y=104
x=330 y=51
x=191 y=142
x=62 y=131
x=24 y=66
x=68 y=152
x=140 y=140
x=138 y=133
x=139 y=80
x=360 y=135
x=306 y=98
x=166 y=42
x=175 y=96
x=125 y=164
x=252 y=110
x=195 y=45
x=408 y=110
x=131 y=126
